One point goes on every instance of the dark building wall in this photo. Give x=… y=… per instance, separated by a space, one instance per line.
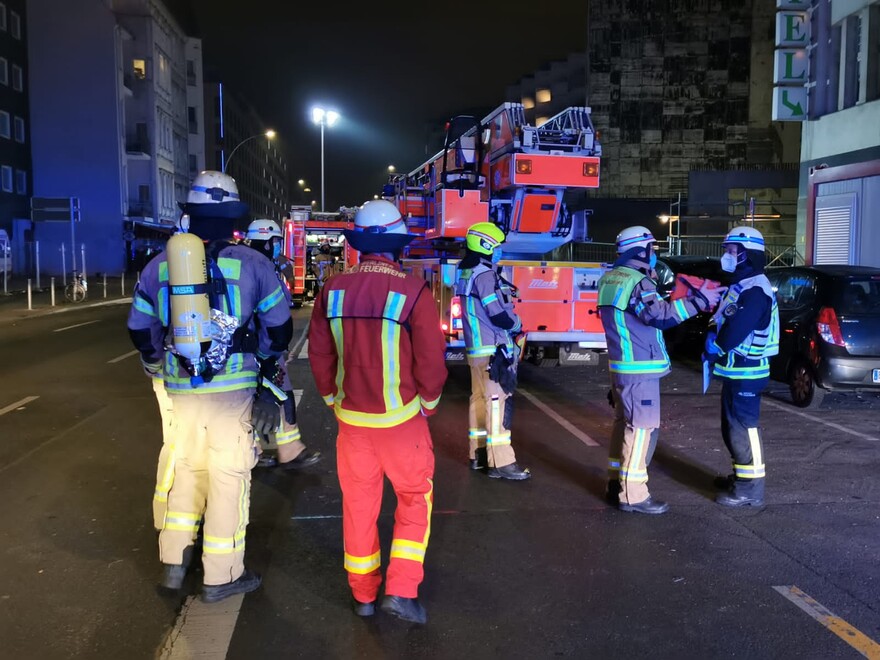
x=15 y=144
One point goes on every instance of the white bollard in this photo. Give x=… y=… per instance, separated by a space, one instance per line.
x=123 y=283
x=30 y=297
x=52 y=286
x=105 y=285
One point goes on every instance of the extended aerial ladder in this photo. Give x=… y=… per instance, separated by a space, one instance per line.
x=504 y=170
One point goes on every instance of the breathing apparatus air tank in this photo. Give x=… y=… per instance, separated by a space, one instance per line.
x=190 y=306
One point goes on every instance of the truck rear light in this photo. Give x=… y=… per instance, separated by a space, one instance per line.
x=524 y=166
x=591 y=169
x=455 y=308
x=444 y=327
x=828 y=327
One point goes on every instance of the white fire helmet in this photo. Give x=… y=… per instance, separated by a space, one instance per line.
x=212 y=187
x=749 y=237
x=632 y=237
x=378 y=227
x=263 y=230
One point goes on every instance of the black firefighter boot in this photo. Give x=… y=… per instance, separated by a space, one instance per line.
x=480 y=460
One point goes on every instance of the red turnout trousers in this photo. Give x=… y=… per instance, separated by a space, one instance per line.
x=405 y=454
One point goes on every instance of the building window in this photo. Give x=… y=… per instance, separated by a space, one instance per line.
x=4 y=124
x=21 y=182
x=190 y=72
x=4 y=71
x=192 y=120
x=3 y=16
x=17 y=78
x=15 y=24
x=6 y=177
x=139 y=68
x=193 y=165
x=543 y=96
x=18 y=125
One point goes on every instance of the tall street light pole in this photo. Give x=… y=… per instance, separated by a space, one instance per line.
x=268 y=135
x=323 y=117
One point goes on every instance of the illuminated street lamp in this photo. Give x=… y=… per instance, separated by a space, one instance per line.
x=269 y=135
x=323 y=117
x=391 y=169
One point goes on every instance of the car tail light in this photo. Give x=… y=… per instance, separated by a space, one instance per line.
x=829 y=328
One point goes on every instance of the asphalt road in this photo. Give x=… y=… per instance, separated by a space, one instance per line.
x=536 y=569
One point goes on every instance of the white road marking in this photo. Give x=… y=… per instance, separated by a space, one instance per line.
x=202 y=630
x=852 y=636
x=819 y=420
x=122 y=357
x=304 y=353
x=297 y=397
x=18 y=404
x=78 y=325
x=556 y=417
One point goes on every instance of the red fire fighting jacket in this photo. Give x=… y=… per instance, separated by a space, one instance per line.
x=376 y=349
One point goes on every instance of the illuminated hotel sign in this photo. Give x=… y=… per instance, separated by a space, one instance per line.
x=790 y=61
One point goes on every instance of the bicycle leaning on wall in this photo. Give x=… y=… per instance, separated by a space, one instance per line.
x=77 y=290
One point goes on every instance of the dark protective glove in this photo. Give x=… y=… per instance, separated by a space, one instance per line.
x=711 y=348
x=502 y=370
x=266 y=412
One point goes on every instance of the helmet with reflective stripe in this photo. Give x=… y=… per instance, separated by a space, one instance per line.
x=484 y=237
x=633 y=237
x=378 y=227
x=749 y=237
x=263 y=230
x=212 y=187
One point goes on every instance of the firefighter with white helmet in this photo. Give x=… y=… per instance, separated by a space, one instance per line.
x=216 y=384
x=746 y=335
x=634 y=316
x=490 y=325
x=265 y=237
x=377 y=354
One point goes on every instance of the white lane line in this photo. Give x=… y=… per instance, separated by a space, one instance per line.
x=297 y=397
x=556 y=417
x=78 y=325
x=819 y=420
x=122 y=357
x=301 y=341
x=304 y=353
x=202 y=630
x=852 y=636
x=18 y=404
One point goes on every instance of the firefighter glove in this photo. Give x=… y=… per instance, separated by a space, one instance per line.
x=266 y=412
x=712 y=349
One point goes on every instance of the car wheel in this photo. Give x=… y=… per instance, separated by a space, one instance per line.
x=805 y=392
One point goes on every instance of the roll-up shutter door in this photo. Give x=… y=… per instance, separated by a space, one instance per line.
x=835 y=220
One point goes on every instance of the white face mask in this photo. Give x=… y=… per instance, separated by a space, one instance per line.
x=728 y=262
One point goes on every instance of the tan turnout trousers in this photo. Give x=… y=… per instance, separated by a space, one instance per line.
x=486 y=416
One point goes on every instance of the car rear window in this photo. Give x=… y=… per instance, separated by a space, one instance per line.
x=858 y=296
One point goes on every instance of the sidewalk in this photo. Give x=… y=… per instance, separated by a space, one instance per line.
x=14 y=303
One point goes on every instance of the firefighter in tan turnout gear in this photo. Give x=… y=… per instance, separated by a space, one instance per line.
x=490 y=325
x=213 y=320
x=634 y=316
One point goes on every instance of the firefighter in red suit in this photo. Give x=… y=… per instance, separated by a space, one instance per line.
x=377 y=354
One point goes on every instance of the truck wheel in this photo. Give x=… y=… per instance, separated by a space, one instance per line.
x=542 y=357
x=805 y=391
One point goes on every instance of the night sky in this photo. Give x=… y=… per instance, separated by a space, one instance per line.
x=393 y=72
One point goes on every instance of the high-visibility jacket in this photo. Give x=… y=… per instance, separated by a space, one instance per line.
x=748 y=330
x=376 y=348
x=486 y=302
x=253 y=293
x=634 y=316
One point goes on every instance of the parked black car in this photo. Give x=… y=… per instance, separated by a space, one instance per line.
x=688 y=338
x=829 y=330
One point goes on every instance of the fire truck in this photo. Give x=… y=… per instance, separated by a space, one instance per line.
x=504 y=170
x=304 y=232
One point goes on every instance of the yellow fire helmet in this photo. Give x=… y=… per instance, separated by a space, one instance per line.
x=484 y=237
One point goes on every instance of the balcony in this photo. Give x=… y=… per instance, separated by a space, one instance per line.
x=137 y=149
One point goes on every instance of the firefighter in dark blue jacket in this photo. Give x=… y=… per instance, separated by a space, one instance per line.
x=746 y=336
